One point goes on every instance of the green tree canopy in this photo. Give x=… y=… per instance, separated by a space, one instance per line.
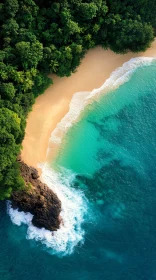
x=29 y=53
x=39 y=37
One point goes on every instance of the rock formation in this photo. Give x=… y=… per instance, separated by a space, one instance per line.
x=37 y=199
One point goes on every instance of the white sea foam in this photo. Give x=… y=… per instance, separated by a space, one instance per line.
x=17 y=217
x=81 y=99
x=74 y=209
x=74 y=203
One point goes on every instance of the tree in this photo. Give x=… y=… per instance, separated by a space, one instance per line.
x=10 y=123
x=7 y=91
x=29 y=53
x=11 y=7
x=41 y=37
x=10 y=28
x=87 y=11
x=131 y=35
x=9 y=149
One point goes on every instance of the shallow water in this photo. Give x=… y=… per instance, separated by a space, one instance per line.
x=106 y=177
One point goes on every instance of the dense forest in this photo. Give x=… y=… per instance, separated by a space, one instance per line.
x=39 y=37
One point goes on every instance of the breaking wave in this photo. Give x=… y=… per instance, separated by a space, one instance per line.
x=74 y=209
x=74 y=204
x=81 y=99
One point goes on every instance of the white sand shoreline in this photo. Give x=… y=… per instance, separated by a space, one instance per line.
x=53 y=105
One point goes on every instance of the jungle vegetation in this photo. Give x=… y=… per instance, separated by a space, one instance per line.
x=39 y=37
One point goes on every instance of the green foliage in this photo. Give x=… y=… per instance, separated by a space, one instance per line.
x=29 y=53
x=9 y=149
x=41 y=83
x=11 y=7
x=9 y=122
x=87 y=10
x=132 y=35
x=7 y=91
x=40 y=37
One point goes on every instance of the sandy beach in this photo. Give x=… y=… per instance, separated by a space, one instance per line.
x=53 y=105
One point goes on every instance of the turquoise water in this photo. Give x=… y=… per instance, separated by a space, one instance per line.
x=109 y=156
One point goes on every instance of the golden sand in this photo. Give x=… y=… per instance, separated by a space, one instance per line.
x=52 y=106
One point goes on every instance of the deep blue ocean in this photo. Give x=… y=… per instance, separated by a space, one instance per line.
x=110 y=157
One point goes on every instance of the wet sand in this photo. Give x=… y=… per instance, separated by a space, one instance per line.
x=53 y=105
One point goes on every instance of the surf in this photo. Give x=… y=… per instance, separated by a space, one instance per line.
x=81 y=99
x=74 y=209
x=74 y=203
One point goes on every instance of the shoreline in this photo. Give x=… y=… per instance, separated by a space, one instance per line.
x=53 y=105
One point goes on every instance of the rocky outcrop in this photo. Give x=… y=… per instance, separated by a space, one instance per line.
x=37 y=199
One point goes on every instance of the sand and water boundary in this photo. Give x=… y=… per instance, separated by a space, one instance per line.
x=51 y=107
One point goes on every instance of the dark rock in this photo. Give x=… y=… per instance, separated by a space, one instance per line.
x=37 y=199
x=34 y=173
